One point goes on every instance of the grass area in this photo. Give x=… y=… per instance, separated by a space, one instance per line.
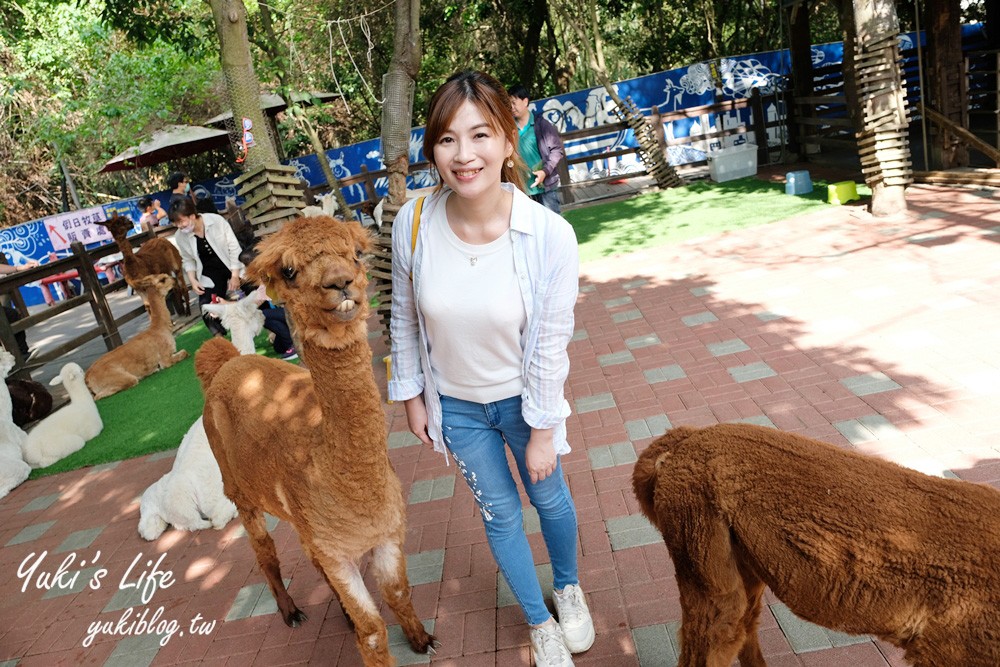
x=701 y=209
x=152 y=416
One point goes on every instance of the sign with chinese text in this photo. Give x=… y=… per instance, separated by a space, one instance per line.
x=80 y=226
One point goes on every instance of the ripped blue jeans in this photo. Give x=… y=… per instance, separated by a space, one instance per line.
x=476 y=435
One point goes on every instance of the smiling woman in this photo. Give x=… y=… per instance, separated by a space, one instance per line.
x=479 y=340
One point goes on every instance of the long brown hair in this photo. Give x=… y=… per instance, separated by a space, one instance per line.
x=489 y=96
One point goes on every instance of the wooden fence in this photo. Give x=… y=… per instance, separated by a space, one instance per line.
x=759 y=126
x=94 y=294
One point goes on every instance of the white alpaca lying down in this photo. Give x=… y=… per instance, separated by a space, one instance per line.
x=189 y=497
x=67 y=429
x=13 y=469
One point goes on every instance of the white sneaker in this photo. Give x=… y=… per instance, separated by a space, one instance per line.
x=548 y=647
x=574 y=618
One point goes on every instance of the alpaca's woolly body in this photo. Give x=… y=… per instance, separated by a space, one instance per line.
x=242 y=318
x=311 y=448
x=69 y=428
x=143 y=354
x=190 y=496
x=157 y=255
x=13 y=469
x=847 y=541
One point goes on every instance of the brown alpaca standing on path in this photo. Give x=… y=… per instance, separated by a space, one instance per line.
x=311 y=448
x=157 y=255
x=847 y=541
x=145 y=353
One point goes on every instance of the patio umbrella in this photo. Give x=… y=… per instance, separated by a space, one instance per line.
x=169 y=143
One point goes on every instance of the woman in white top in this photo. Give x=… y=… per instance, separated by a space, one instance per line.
x=210 y=254
x=482 y=312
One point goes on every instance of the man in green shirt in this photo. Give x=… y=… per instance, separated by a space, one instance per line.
x=540 y=147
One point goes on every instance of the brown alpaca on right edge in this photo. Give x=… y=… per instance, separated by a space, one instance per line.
x=847 y=541
x=311 y=448
x=157 y=255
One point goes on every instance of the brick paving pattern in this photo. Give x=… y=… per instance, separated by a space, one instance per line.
x=870 y=334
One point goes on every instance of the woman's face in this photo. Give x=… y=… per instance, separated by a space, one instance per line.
x=185 y=223
x=470 y=153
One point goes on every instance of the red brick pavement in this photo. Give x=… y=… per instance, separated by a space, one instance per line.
x=914 y=300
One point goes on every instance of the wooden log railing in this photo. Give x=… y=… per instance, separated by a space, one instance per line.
x=94 y=294
x=759 y=127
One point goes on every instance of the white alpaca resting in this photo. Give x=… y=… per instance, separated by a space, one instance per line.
x=68 y=429
x=190 y=496
x=13 y=469
x=243 y=318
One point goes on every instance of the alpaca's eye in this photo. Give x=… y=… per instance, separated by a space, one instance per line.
x=288 y=272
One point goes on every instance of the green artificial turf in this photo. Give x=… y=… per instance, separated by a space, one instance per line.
x=700 y=209
x=152 y=416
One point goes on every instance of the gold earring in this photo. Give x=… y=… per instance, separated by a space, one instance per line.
x=510 y=163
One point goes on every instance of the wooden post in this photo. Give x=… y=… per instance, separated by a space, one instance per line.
x=946 y=77
x=800 y=50
x=9 y=342
x=759 y=127
x=369 y=185
x=98 y=301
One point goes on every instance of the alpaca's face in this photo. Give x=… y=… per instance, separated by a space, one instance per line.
x=161 y=283
x=315 y=265
x=117 y=225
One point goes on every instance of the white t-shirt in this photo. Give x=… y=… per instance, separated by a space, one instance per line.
x=474 y=314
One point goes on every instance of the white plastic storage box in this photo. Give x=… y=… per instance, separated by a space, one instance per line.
x=727 y=164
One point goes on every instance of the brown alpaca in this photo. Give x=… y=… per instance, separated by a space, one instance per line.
x=311 y=448
x=847 y=541
x=143 y=354
x=157 y=255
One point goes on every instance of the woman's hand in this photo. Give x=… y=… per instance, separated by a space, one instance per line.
x=234 y=282
x=416 y=418
x=540 y=457
x=196 y=286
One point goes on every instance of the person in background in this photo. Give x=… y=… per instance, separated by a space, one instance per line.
x=12 y=313
x=209 y=253
x=204 y=204
x=482 y=313
x=180 y=188
x=153 y=214
x=540 y=147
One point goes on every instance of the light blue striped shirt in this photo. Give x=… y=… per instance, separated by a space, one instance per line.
x=547 y=265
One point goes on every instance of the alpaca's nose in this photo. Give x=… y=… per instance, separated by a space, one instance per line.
x=338 y=279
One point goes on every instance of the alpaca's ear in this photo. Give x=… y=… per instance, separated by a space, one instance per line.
x=363 y=237
x=266 y=266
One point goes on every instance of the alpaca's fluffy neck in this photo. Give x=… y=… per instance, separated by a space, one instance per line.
x=159 y=316
x=121 y=238
x=353 y=420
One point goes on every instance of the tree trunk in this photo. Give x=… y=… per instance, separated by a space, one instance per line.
x=947 y=78
x=242 y=86
x=883 y=143
x=398 y=86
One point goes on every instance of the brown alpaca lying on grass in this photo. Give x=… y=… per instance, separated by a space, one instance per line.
x=311 y=448
x=145 y=353
x=157 y=255
x=847 y=541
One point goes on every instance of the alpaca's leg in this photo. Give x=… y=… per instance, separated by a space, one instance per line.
x=713 y=597
x=315 y=561
x=267 y=558
x=180 y=355
x=369 y=628
x=389 y=567
x=751 y=654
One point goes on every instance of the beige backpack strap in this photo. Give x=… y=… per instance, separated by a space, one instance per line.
x=416 y=226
